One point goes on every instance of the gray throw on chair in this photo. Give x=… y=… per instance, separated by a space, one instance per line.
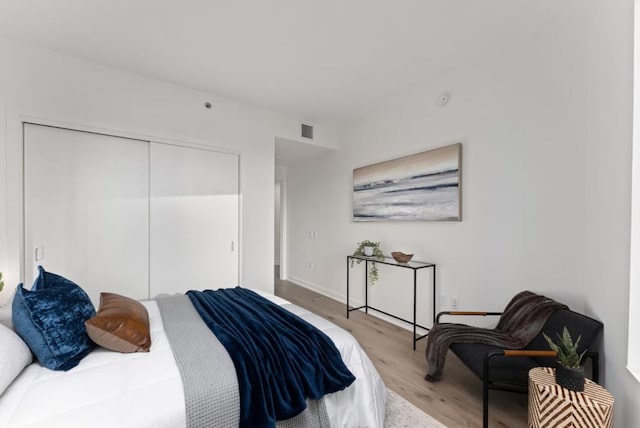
x=521 y=321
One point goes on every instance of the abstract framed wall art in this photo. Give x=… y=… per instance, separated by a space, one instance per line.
x=424 y=187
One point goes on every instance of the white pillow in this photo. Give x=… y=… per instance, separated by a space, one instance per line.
x=5 y=315
x=14 y=356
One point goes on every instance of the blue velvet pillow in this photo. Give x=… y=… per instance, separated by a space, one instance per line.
x=50 y=319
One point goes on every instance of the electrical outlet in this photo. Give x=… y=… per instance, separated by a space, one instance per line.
x=455 y=304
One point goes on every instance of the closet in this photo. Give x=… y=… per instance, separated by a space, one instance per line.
x=194 y=219
x=129 y=216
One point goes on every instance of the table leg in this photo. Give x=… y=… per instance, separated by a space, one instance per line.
x=434 y=295
x=347 y=287
x=415 y=280
x=366 y=286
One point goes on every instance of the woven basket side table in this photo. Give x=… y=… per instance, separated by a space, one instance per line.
x=551 y=405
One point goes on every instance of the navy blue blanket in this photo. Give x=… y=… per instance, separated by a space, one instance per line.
x=280 y=359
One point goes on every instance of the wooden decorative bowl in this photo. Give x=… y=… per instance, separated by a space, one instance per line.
x=401 y=257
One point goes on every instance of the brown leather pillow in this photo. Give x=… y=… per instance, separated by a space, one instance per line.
x=121 y=324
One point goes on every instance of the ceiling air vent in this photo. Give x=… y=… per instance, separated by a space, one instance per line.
x=307 y=131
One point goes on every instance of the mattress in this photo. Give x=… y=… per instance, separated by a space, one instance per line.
x=110 y=390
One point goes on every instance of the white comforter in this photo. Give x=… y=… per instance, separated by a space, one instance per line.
x=114 y=390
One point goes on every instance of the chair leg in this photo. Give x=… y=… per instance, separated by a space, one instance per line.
x=485 y=402
x=595 y=367
x=485 y=387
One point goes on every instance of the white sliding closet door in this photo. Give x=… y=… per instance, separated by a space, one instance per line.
x=86 y=209
x=194 y=219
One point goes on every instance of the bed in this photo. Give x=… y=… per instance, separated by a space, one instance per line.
x=134 y=390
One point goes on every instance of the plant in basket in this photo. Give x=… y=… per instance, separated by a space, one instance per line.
x=369 y=249
x=569 y=371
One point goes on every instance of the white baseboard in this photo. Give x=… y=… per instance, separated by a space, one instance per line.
x=322 y=290
x=353 y=302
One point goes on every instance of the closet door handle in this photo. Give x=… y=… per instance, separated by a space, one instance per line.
x=232 y=245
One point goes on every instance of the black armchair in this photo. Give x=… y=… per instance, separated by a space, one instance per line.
x=508 y=369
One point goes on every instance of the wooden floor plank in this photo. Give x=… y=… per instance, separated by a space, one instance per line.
x=456 y=400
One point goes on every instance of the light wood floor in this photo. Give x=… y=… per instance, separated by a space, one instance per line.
x=456 y=400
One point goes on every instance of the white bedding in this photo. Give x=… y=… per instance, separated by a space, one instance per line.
x=110 y=390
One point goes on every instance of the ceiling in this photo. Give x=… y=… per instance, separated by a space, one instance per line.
x=320 y=60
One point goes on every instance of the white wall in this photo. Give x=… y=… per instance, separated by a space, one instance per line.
x=520 y=119
x=55 y=86
x=608 y=195
x=634 y=268
x=546 y=133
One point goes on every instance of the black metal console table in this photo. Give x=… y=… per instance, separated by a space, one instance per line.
x=415 y=266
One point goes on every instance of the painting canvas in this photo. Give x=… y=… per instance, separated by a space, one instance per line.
x=424 y=186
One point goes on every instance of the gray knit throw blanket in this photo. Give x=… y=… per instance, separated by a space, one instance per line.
x=519 y=324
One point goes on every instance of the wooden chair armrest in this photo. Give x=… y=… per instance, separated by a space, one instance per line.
x=478 y=313
x=594 y=356
x=512 y=353
x=529 y=353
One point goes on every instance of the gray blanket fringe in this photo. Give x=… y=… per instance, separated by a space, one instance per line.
x=208 y=374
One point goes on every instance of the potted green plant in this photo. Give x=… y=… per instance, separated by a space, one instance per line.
x=1 y=282
x=369 y=249
x=569 y=372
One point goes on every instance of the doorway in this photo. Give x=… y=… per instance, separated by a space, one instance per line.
x=288 y=153
x=279 y=230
